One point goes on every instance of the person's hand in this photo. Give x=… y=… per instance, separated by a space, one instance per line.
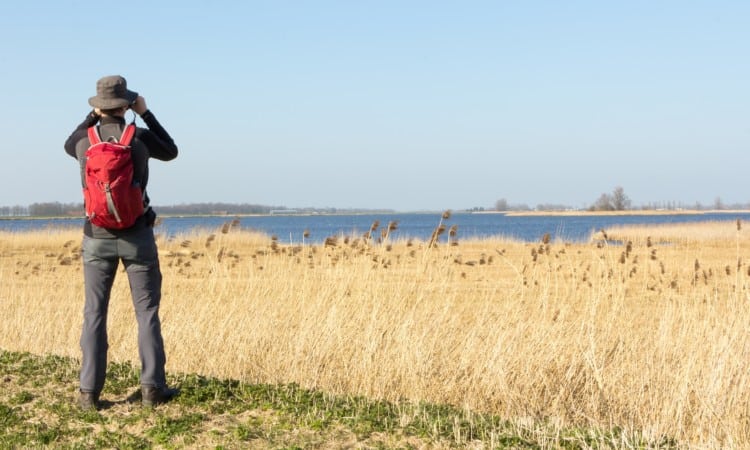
x=139 y=105
x=98 y=111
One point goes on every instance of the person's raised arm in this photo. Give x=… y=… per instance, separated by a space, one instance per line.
x=81 y=131
x=160 y=144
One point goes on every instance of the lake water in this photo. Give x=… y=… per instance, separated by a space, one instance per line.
x=290 y=229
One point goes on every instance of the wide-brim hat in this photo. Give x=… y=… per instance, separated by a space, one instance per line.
x=112 y=93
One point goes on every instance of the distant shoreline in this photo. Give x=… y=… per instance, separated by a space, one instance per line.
x=634 y=212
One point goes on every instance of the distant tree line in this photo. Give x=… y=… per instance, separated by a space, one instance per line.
x=14 y=211
x=617 y=200
x=189 y=209
x=57 y=209
x=47 y=209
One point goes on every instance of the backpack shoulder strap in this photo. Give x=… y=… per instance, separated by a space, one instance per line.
x=127 y=134
x=94 y=135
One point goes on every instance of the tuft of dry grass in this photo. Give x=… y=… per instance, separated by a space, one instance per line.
x=649 y=336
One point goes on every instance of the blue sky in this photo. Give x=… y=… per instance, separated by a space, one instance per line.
x=408 y=105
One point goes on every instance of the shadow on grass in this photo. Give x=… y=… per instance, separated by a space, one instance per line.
x=213 y=412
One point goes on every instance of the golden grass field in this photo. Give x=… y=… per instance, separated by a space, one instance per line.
x=650 y=335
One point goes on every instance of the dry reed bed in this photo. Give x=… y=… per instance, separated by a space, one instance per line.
x=646 y=336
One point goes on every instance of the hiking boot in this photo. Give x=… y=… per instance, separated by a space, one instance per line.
x=88 y=401
x=153 y=395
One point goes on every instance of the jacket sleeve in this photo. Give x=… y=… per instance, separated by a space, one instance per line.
x=80 y=132
x=159 y=142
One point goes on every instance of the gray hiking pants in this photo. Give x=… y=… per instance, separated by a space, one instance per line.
x=100 y=261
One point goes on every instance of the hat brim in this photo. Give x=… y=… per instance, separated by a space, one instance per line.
x=113 y=103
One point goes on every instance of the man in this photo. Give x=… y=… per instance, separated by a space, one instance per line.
x=104 y=248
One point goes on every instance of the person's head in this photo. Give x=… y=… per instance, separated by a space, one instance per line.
x=112 y=96
x=119 y=112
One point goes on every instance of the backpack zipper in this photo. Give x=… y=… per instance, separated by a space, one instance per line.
x=111 y=202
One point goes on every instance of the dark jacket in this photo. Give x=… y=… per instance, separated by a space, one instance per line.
x=153 y=142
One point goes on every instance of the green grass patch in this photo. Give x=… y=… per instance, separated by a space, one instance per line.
x=38 y=410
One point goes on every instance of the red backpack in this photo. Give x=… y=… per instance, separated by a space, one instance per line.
x=112 y=198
